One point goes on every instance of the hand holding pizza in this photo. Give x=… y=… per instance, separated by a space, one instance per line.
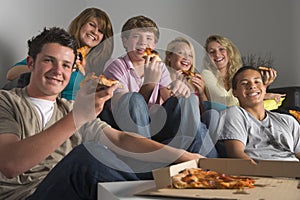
x=81 y=59
x=198 y=83
x=90 y=101
x=268 y=73
x=152 y=70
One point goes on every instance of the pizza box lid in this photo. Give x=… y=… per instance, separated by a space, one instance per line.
x=263 y=168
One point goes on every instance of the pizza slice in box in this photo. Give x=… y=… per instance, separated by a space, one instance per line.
x=209 y=179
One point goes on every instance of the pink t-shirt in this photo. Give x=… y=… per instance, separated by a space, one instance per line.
x=122 y=69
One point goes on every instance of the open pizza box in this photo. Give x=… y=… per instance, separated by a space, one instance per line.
x=274 y=180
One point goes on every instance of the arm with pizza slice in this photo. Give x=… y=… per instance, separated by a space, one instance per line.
x=152 y=74
x=270 y=75
x=198 y=83
x=91 y=42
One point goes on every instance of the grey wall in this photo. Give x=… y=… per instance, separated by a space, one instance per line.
x=263 y=27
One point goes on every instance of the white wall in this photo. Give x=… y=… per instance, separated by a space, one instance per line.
x=264 y=27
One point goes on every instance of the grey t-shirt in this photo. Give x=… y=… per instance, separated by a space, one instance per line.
x=19 y=116
x=277 y=137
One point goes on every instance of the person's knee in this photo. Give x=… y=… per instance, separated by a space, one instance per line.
x=138 y=101
x=192 y=99
x=131 y=100
x=135 y=96
x=131 y=96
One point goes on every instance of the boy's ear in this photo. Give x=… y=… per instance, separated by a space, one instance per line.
x=30 y=61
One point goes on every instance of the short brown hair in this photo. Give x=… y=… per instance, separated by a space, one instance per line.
x=141 y=22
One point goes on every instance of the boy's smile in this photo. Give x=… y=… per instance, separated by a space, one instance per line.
x=136 y=43
x=250 y=88
x=55 y=63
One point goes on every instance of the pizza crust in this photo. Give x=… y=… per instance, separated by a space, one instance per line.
x=263 y=68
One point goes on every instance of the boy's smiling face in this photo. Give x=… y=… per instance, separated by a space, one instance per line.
x=250 y=89
x=50 y=71
x=136 y=43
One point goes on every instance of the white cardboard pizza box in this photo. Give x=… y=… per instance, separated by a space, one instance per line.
x=274 y=189
x=268 y=168
x=275 y=179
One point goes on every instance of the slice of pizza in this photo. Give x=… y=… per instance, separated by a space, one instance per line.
x=106 y=82
x=188 y=74
x=208 y=179
x=152 y=53
x=103 y=82
x=263 y=68
x=296 y=114
x=81 y=55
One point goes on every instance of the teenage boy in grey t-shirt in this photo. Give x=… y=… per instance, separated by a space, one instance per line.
x=250 y=131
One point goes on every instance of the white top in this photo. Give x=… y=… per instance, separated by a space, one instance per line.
x=44 y=108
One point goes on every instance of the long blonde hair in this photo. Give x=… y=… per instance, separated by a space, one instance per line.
x=170 y=50
x=235 y=60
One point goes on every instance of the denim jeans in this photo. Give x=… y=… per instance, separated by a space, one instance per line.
x=77 y=175
x=176 y=123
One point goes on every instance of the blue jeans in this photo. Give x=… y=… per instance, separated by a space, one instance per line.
x=176 y=123
x=77 y=175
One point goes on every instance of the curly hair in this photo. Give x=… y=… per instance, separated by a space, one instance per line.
x=235 y=59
